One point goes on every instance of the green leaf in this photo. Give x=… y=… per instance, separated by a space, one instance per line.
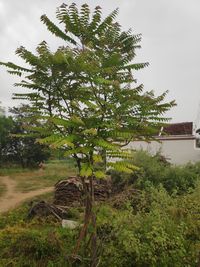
x=60 y=121
x=122 y=166
x=103 y=81
x=55 y=30
x=15 y=67
x=91 y=131
x=63 y=141
x=136 y=66
x=49 y=139
x=97 y=158
x=120 y=154
x=86 y=170
x=77 y=120
x=105 y=144
x=78 y=150
x=99 y=174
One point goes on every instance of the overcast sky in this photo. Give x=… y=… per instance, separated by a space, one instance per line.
x=170 y=43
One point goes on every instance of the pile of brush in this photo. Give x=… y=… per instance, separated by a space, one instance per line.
x=102 y=190
x=68 y=192
x=44 y=209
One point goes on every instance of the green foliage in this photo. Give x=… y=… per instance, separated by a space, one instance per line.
x=15 y=148
x=84 y=94
x=154 y=171
x=6 y=125
x=39 y=242
x=180 y=179
x=2 y=110
x=155 y=235
x=156 y=230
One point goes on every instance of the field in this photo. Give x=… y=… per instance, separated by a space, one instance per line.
x=28 y=180
x=18 y=184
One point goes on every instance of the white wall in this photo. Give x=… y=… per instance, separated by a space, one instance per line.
x=176 y=151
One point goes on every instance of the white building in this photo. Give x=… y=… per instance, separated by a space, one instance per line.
x=177 y=142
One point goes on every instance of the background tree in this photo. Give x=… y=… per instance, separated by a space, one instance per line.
x=2 y=110
x=23 y=146
x=17 y=142
x=86 y=96
x=6 y=125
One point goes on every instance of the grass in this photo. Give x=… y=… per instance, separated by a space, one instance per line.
x=2 y=189
x=18 y=215
x=10 y=171
x=29 y=180
x=36 y=242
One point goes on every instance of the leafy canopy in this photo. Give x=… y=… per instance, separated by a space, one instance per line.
x=85 y=93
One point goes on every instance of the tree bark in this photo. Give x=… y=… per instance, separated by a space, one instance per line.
x=89 y=217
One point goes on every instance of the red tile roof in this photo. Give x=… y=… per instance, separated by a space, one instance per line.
x=183 y=128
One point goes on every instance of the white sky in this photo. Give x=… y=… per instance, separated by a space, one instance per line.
x=171 y=43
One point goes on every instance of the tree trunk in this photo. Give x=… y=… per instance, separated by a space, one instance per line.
x=89 y=217
x=93 y=245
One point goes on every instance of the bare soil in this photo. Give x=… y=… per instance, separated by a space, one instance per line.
x=11 y=198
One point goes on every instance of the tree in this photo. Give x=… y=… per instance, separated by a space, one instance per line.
x=87 y=98
x=6 y=125
x=2 y=110
x=23 y=147
x=17 y=143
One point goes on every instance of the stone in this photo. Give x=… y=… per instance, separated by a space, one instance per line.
x=70 y=224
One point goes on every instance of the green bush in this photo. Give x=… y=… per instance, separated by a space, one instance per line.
x=154 y=171
x=146 y=240
x=164 y=232
x=180 y=179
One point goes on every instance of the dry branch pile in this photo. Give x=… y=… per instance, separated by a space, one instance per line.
x=102 y=190
x=70 y=191
x=44 y=209
x=127 y=194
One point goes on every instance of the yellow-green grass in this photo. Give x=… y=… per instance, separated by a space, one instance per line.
x=19 y=214
x=53 y=172
x=12 y=170
x=2 y=188
x=29 y=180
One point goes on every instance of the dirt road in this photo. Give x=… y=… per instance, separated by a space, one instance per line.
x=11 y=199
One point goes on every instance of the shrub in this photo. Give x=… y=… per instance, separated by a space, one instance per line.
x=153 y=171
x=180 y=179
x=156 y=235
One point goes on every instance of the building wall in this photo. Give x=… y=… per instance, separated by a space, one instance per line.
x=176 y=151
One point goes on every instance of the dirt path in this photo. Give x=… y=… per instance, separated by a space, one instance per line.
x=11 y=199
